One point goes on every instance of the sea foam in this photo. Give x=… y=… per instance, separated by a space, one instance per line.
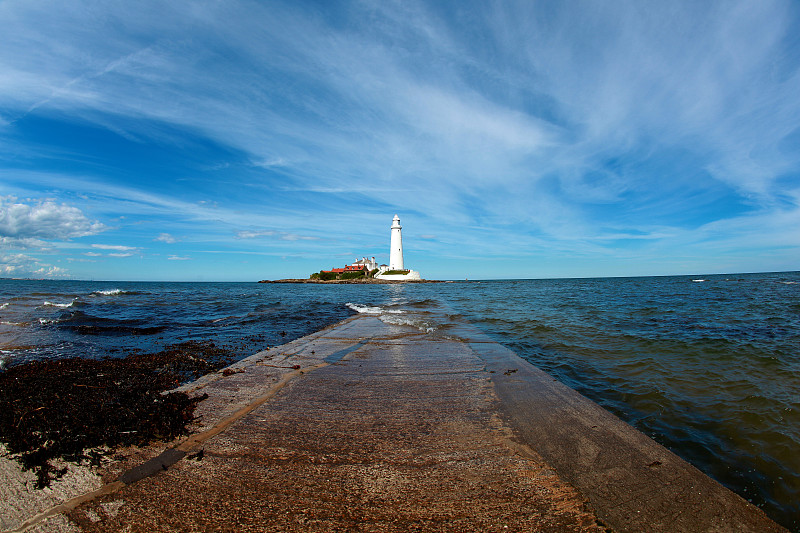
x=421 y=325
x=62 y=306
x=392 y=316
x=372 y=310
x=110 y=292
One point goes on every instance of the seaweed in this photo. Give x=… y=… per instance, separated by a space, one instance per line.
x=79 y=409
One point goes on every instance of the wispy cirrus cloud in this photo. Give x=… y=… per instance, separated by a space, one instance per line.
x=119 y=247
x=282 y=235
x=112 y=250
x=552 y=126
x=249 y=234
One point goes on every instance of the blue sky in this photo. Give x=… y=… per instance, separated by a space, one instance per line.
x=191 y=140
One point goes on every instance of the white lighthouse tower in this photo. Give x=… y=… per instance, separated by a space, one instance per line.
x=396 y=246
x=396 y=271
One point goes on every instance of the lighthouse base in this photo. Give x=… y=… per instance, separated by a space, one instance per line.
x=411 y=275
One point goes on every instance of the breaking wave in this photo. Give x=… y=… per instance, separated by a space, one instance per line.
x=399 y=317
x=74 y=303
x=373 y=310
x=415 y=322
x=110 y=292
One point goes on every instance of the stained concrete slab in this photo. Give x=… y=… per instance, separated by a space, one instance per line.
x=633 y=483
x=367 y=426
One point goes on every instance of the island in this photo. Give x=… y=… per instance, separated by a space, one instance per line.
x=367 y=270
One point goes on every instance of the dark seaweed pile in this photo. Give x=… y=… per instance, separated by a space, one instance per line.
x=77 y=409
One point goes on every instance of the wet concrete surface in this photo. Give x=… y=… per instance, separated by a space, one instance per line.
x=633 y=483
x=367 y=426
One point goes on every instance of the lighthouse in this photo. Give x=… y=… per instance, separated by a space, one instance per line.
x=396 y=271
x=396 y=246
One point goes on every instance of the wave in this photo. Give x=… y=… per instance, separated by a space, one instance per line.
x=114 y=292
x=699 y=280
x=372 y=310
x=110 y=292
x=398 y=317
x=86 y=324
x=423 y=304
x=117 y=330
x=5 y=305
x=74 y=303
x=418 y=323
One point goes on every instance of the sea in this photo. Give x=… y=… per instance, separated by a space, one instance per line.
x=707 y=365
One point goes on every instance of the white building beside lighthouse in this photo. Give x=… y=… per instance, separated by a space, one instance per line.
x=396 y=269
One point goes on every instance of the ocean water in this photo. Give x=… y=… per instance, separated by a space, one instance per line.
x=47 y=319
x=708 y=366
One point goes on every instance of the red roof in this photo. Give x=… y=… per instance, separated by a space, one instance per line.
x=348 y=268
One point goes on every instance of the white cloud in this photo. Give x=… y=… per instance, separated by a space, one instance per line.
x=518 y=117
x=51 y=272
x=282 y=235
x=16 y=259
x=248 y=234
x=119 y=250
x=271 y=163
x=166 y=237
x=22 y=265
x=43 y=219
x=22 y=244
x=178 y=258
x=295 y=237
x=117 y=247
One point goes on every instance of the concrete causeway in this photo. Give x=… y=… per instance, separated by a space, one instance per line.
x=367 y=426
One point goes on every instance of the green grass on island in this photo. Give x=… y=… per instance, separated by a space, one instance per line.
x=323 y=275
